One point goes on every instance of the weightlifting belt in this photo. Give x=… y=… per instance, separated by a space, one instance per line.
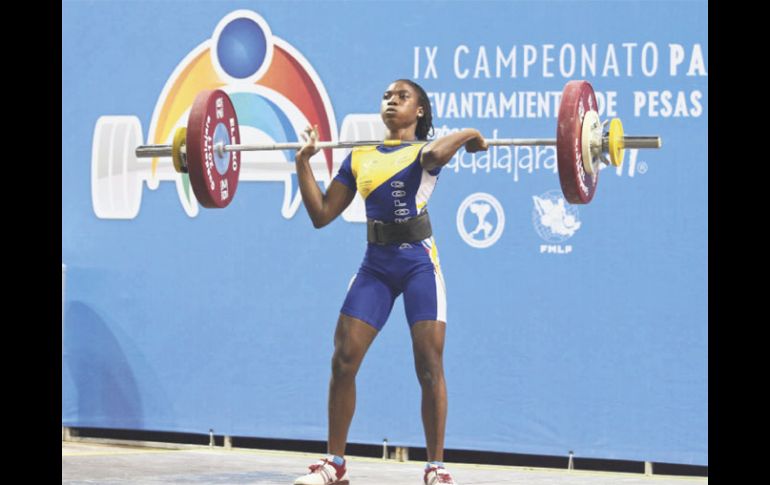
x=415 y=229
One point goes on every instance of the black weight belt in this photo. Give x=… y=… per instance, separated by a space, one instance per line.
x=415 y=229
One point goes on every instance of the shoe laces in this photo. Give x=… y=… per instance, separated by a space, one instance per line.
x=320 y=464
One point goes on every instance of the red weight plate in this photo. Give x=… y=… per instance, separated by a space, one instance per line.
x=213 y=176
x=577 y=185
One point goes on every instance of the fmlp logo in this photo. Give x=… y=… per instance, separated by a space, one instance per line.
x=555 y=221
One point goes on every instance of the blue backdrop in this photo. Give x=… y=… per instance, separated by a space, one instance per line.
x=569 y=327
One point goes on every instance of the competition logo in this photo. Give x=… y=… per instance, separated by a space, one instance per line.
x=480 y=220
x=276 y=94
x=555 y=220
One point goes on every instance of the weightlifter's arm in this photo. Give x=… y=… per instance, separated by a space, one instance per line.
x=438 y=152
x=322 y=208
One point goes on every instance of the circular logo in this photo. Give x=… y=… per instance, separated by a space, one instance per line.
x=242 y=47
x=480 y=220
x=555 y=219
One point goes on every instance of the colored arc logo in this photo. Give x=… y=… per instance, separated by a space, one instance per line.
x=275 y=91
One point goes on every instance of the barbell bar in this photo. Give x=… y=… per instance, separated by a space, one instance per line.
x=152 y=151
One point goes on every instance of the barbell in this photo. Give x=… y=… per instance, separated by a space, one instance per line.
x=208 y=149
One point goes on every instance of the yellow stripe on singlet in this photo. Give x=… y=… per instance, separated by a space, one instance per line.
x=372 y=168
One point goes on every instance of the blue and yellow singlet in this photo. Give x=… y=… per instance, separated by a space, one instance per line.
x=395 y=187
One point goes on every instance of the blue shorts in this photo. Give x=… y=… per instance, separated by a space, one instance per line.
x=389 y=270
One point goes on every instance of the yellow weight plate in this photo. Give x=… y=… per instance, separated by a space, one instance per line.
x=616 y=144
x=180 y=138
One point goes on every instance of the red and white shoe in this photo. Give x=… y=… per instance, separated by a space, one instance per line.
x=436 y=475
x=325 y=472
